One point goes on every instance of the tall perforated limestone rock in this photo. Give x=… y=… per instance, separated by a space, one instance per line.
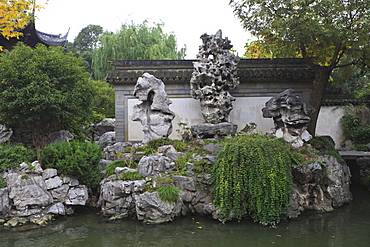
x=153 y=112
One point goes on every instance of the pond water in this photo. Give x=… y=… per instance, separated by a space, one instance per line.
x=346 y=226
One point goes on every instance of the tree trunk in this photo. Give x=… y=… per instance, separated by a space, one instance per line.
x=40 y=132
x=320 y=83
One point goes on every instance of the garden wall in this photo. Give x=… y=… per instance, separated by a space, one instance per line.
x=260 y=79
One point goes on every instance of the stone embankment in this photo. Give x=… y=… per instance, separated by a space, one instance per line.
x=138 y=198
x=36 y=195
x=322 y=185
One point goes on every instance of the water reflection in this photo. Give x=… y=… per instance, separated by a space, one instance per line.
x=347 y=226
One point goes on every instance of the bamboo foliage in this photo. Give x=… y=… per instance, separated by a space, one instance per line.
x=135 y=42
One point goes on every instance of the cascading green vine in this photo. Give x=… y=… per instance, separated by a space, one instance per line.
x=252 y=176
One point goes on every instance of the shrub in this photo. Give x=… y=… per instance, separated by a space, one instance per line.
x=45 y=89
x=361 y=147
x=12 y=156
x=168 y=194
x=322 y=143
x=252 y=175
x=325 y=147
x=353 y=128
x=79 y=159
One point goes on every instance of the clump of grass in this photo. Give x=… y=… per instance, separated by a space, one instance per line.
x=181 y=166
x=2 y=183
x=180 y=146
x=168 y=194
x=155 y=144
x=110 y=168
x=130 y=176
x=201 y=166
x=335 y=154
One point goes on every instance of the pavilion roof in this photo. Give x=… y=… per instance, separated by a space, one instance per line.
x=31 y=37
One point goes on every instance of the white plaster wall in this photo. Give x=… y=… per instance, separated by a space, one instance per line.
x=135 y=129
x=249 y=110
x=187 y=110
x=246 y=110
x=328 y=123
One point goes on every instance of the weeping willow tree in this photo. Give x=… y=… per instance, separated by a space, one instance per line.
x=135 y=42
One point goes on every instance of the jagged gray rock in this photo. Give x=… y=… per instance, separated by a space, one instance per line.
x=214 y=75
x=119 y=170
x=4 y=201
x=5 y=133
x=59 y=136
x=117 y=197
x=96 y=130
x=151 y=209
x=154 y=112
x=184 y=183
x=213 y=131
x=212 y=148
x=49 y=173
x=77 y=195
x=34 y=194
x=121 y=150
x=57 y=208
x=154 y=165
x=291 y=117
x=60 y=194
x=27 y=190
x=53 y=182
x=107 y=138
x=171 y=152
x=319 y=188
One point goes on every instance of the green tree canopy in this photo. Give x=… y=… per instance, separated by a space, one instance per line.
x=43 y=89
x=88 y=38
x=320 y=31
x=350 y=81
x=103 y=103
x=134 y=42
x=83 y=45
